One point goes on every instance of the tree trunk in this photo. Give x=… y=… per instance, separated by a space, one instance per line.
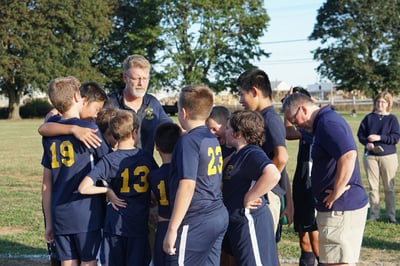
x=13 y=105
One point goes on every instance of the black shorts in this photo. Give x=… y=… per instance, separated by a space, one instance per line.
x=303 y=203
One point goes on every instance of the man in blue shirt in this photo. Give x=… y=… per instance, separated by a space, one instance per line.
x=335 y=177
x=134 y=97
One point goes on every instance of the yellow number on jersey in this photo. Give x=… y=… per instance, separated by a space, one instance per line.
x=217 y=153
x=141 y=171
x=163 y=194
x=66 y=153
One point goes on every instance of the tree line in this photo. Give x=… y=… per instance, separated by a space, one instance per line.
x=192 y=41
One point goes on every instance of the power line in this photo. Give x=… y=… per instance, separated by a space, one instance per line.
x=289 y=61
x=285 y=41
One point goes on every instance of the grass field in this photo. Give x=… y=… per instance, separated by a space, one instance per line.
x=21 y=222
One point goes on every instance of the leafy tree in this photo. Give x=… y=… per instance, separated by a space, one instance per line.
x=43 y=39
x=136 y=30
x=210 y=41
x=360 y=44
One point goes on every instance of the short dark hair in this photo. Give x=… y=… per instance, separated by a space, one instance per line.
x=299 y=89
x=220 y=114
x=93 y=92
x=166 y=136
x=255 y=78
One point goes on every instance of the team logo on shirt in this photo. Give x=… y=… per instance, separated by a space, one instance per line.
x=228 y=170
x=149 y=113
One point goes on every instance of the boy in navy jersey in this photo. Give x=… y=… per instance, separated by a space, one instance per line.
x=165 y=138
x=102 y=120
x=216 y=123
x=248 y=176
x=199 y=218
x=256 y=94
x=125 y=171
x=93 y=100
x=66 y=161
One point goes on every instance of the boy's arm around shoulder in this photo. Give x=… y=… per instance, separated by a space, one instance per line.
x=86 y=135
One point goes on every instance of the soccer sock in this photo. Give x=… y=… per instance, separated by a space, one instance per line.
x=307 y=258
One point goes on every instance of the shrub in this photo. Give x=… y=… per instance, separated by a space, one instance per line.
x=3 y=113
x=35 y=109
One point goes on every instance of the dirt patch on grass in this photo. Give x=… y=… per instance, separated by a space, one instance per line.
x=12 y=230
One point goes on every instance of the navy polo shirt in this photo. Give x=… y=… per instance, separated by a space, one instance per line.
x=333 y=137
x=151 y=115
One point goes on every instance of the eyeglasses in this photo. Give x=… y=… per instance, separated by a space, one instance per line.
x=137 y=78
x=293 y=121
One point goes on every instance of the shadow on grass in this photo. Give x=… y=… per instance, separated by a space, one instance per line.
x=13 y=249
x=374 y=243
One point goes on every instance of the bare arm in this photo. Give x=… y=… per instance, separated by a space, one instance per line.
x=183 y=198
x=87 y=186
x=289 y=209
x=291 y=131
x=280 y=157
x=47 y=185
x=344 y=170
x=86 y=135
x=268 y=179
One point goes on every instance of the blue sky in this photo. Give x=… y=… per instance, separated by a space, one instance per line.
x=291 y=22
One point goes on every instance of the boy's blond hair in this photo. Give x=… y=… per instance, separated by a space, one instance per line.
x=123 y=123
x=136 y=61
x=61 y=92
x=198 y=100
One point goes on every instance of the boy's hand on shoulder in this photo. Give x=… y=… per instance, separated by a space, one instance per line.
x=87 y=136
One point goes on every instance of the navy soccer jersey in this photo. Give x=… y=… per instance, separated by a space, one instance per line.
x=240 y=174
x=250 y=237
x=333 y=138
x=151 y=114
x=226 y=151
x=70 y=161
x=275 y=133
x=158 y=180
x=126 y=172
x=198 y=156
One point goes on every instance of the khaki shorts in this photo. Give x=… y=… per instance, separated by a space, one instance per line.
x=340 y=235
x=275 y=207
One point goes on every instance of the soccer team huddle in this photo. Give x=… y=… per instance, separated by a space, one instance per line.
x=217 y=191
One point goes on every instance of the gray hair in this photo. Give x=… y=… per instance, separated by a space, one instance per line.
x=294 y=100
x=136 y=61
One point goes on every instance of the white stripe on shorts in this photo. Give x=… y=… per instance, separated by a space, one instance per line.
x=253 y=237
x=182 y=246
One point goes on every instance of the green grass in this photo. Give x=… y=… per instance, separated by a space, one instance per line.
x=21 y=222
